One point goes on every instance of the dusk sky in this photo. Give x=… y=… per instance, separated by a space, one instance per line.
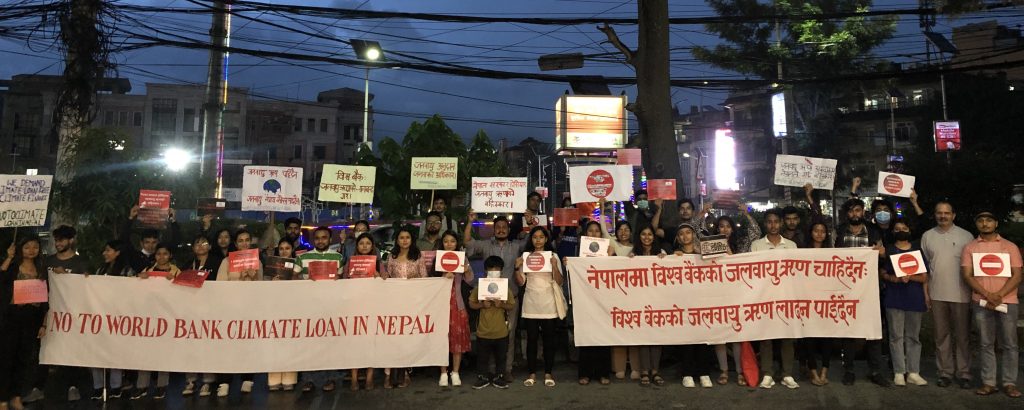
x=404 y=95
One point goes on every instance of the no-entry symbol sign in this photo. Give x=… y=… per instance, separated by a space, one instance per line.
x=908 y=263
x=992 y=264
x=449 y=261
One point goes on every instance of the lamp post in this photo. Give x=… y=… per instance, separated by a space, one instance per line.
x=370 y=52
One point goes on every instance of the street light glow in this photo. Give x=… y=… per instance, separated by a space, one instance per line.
x=372 y=53
x=176 y=159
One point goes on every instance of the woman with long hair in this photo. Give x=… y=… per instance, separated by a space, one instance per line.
x=115 y=263
x=283 y=380
x=543 y=305
x=725 y=225
x=364 y=246
x=818 y=350
x=404 y=263
x=695 y=358
x=458 y=318
x=204 y=258
x=646 y=243
x=162 y=266
x=595 y=361
x=22 y=325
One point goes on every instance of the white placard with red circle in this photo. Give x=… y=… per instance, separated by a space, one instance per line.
x=450 y=261
x=907 y=264
x=536 y=262
x=591 y=183
x=895 y=184
x=991 y=265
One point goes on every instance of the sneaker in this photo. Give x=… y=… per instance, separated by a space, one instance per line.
x=247 y=386
x=917 y=379
x=767 y=382
x=944 y=382
x=849 y=378
x=114 y=393
x=899 y=380
x=98 y=395
x=880 y=380
x=289 y=387
x=481 y=382
x=204 y=390
x=34 y=395
x=137 y=394
x=73 y=394
x=705 y=382
x=456 y=380
x=222 y=390
x=443 y=381
x=789 y=382
x=688 y=382
x=190 y=388
x=499 y=382
x=161 y=392
x=276 y=387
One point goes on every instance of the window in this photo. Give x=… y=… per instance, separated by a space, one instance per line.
x=272 y=152
x=298 y=124
x=165 y=114
x=108 y=118
x=904 y=131
x=17 y=121
x=191 y=120
x=319 y=152
x=311 y=125
x=323 y=125
x=351 y=132
x=122 y=119
x=137 y=119
x=297 y=154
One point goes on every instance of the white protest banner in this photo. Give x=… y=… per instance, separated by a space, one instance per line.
x=678 y=300
x=24 y=199
x=536 y=262
x=907 y=263
x=992 y=265
x=498 y=194
x=794 y=170
x=492 y=289
x=347 y=183
x=895 y=184
x=246 y=327
x=593 y=247
x=450 y=261
x=434 y=173
x=266 y=188
x=591 y=183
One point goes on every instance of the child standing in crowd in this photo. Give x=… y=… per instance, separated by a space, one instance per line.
x=818 y=349
x=905 y=300
x=162 y=267
x=21 y=326
x=695 y=357
x=364 y=246
x=404 y=263
x=458 y=327
x=647 y=244
x=543 y=305
x=492 y=330
x=595 y=361
x=283 y=380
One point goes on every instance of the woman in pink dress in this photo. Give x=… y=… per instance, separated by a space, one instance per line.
x=404 y=263
x=458 y=327
x=364 y=247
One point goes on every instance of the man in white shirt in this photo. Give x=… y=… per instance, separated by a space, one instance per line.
x=950 y=296
x=774 y=241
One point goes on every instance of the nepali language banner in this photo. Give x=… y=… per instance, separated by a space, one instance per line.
x=794 y=170
x=347 y=183
x=434 y=173
x=679 y=300
x=24 y=199
x=498 y=194
x=266 y=188
x=246 y=327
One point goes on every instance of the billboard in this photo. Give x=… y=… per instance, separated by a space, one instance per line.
x=590 y=122
x=947 y=135
x=779 y=115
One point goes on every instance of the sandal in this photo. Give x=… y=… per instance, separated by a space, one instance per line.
x=329 y=386
x=1011 y=391
x=986 y=390
x=387 y=381
x=549 y=382
x=605 y=381
x=584 y=381
x=645 y=380
x=723 y=378
x=529 y=382
x=658 y=380
x=405 y=382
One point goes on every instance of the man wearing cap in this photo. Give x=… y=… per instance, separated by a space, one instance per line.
x=995 y=304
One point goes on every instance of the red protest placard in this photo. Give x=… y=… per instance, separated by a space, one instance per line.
x=191 y=278
x=157 y=273
x=661 y=189
x=725 y=199
x=153 y=208
x=239 y=261
x=322 y=270
x=567 y=216
x=362 y=266
x=629 y=156
x=29 y=291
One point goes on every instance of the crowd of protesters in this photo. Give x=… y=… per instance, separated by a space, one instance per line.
x=490 y=332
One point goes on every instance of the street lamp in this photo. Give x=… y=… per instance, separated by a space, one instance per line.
x=368 y=51
x=176 y=159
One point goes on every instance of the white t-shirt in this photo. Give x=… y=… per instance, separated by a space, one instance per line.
x=538 y=300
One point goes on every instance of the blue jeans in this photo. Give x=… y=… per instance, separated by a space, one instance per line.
x=997 y=327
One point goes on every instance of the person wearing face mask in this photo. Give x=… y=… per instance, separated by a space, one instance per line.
x=882 y=216
x=643 y=213
x=492 y=329
x=905 y=301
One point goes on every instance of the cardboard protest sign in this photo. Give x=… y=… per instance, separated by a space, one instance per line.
x=211 y=206
x=895 y=184
x=946 y=135
x=794 y=170
x=591 y=183
x=498 y=194
x=267 y=188
x=566 y=216
x=661 y=189
x=629 y=156
x=992 y=265
x=239 y=261
x=492 y=289
x=362 y=266
x=725 y=199
x=450 y=261
x=347 y=183
x=593 y=247
x=154 y=208
x=907 y=264
x=714 y=246
x=434 y=173
x=278 y=267
x=322 y=270
x=536 y=262
x=191 y=278
x=29 y=291
x=24 y=200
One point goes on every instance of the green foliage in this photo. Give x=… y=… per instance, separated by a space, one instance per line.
x=104 y=184
x=432 y=138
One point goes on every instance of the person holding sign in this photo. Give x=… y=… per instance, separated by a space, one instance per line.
x=114 y=264
x=773 y=241
x=242 y=242
x=321 y=263
x=595 y=361
x=531 y=218
x=995 y=306
x=142 y=257
x=283 y=380
x=725 y=225
x=543 y=302
x=646 y=243
x=817 y=351
x=695 y=363
x=203 y=259
x=364 y=247
x=491 y=328
x=905 y=300
x=404 y=263
x=165 y=268
x=67 y=260
x=622 y=243
x=458 y=319
x=21 y=324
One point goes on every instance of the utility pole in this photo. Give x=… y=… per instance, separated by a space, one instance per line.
x=216 y=97
x=786 y=191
